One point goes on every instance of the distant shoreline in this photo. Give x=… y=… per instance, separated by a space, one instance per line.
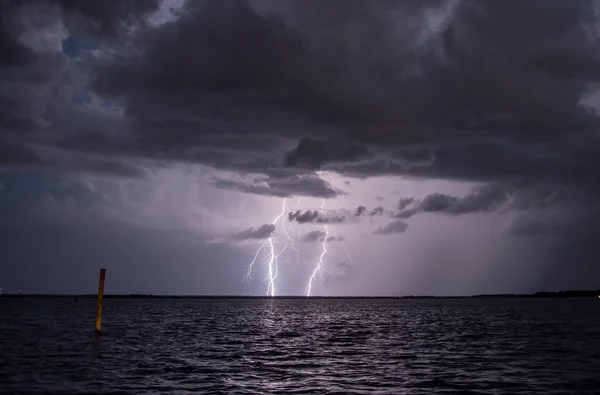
x=561 y=294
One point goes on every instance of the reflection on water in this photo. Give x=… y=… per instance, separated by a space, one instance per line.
x=301 y=346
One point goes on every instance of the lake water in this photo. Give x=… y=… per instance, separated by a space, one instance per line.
x=265 y=346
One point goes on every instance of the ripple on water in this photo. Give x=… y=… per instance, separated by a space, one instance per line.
x=301 y=346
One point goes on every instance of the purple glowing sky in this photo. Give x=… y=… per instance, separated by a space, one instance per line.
x=454 y=142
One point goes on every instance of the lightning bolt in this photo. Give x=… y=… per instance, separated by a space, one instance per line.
x=272 y=273
x=319 y=268
x=273 y=262
x=297 y=253
x=248 y=275
x=348 y=254
x=272 y=258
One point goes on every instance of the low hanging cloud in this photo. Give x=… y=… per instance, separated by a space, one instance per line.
x=481 y=199
x=319 y=236
x=360 y=210
x=376 y=211
x=263 y=232
x=397 y=226
x=405 y=202
x=327 y=217
x=294 y=185
x=313 y=154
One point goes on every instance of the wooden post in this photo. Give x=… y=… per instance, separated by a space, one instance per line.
x=99 y=305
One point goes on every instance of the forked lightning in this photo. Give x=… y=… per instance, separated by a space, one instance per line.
x=271 y=257
x=319 y=267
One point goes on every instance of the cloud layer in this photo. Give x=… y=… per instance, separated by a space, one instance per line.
x=482 y=199
x=313 y=216
x=259 y=233
x=315 y=236
x=260 y=95
x=429 y=88
x=397 y=226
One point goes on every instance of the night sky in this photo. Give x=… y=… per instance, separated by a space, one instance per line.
x=433 y=147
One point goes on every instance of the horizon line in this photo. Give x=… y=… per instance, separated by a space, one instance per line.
x=538 y=294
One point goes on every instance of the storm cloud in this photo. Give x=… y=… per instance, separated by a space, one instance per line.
x=319 y=236
x=397 y=226
x=278 y=98
x=426 y=88
x=259 y=233
x=295 y=185
x=313 y=216
x=481 y=199
x=360 y=210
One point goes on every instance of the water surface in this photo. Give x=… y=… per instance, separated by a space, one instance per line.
x=353 y=346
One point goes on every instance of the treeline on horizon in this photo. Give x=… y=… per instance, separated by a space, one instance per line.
x=560 y=294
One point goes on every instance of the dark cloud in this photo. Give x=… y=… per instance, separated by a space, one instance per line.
x=547 y=195
x=315 y=153
x=405 y=202
x=298 y=185
x=376 y=211
x=16 y=154
x=12 y=52
x=480 y=199
x=103 y=20
x=27 y=25
x=429 y=89
x=259 y=233
x=280 y=45
x=397 y=226
x=360 y=210
x=313 y=216
x=438 y=202
x=304 y=217
x=318 y=236
x=313 y=236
